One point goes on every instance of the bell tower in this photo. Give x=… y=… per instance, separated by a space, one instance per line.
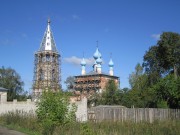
x=47 y=65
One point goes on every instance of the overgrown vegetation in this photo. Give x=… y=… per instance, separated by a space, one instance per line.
x=29 y=124
x=155 y=83
x=22 y=121
x=54 y=109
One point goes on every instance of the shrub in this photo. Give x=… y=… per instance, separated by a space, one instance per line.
x=54 y=109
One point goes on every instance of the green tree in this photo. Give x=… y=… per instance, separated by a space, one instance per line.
x=11 y=80
x=94 y=100
x=169 y=52
x=152 y=66
x=111 y=94
x=138 y=80
x=134 y=77
x=168 y=91
x=54 y=109
x=70 y=83
x=125 y=90
x=140 y=95
x=163 y=58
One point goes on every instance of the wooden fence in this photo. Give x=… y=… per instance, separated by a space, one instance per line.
x=116 y=113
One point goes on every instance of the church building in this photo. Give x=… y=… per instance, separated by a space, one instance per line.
x=47 y=73
x=96 y=80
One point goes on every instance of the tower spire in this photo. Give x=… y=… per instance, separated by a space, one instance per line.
x=49 y=21
x=48 y=43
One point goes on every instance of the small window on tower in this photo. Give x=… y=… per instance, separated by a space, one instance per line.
x=53 y=75
x=47 y=43
x=48 y=37
x=48 y=57
x=41 y=75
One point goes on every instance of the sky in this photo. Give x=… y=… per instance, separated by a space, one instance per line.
x=125 y=28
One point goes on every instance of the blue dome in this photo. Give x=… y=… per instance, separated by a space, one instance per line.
x=99 y=60
x=111 y=64
x=83 y=62
x=97 y=54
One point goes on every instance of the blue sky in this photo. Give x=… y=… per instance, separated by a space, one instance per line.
x=125 y=28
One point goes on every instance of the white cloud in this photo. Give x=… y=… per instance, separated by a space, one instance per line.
x=75 y=17
x=156 y=36
x=89 y=61
x=76 y=61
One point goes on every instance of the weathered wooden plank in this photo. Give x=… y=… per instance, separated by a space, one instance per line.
x=112 y=113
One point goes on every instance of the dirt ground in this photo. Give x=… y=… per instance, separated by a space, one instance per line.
x=6 y=131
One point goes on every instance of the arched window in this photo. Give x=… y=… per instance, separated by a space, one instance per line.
x=47 y=57
x=43 y=59
x=41 y=75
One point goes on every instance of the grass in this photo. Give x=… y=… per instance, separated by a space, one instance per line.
x=28 y=123
x=20 y=121
x=20 y=129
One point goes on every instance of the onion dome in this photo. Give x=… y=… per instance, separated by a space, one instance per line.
x=111 y=63
x=83 y=62
x=97 y=54
x=99 y=60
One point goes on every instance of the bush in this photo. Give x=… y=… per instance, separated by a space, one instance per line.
x=54 y=109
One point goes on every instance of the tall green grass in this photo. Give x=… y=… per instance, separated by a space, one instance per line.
x=20 y=120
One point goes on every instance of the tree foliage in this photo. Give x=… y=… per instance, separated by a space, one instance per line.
x=70 y=83
x=11 y=80
x=152 y=66
x=111 y=94
x=169 y=52
x=158 y=86
x=137 y=79
x=54 y=109
x=168 y=91
x=164 y=58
